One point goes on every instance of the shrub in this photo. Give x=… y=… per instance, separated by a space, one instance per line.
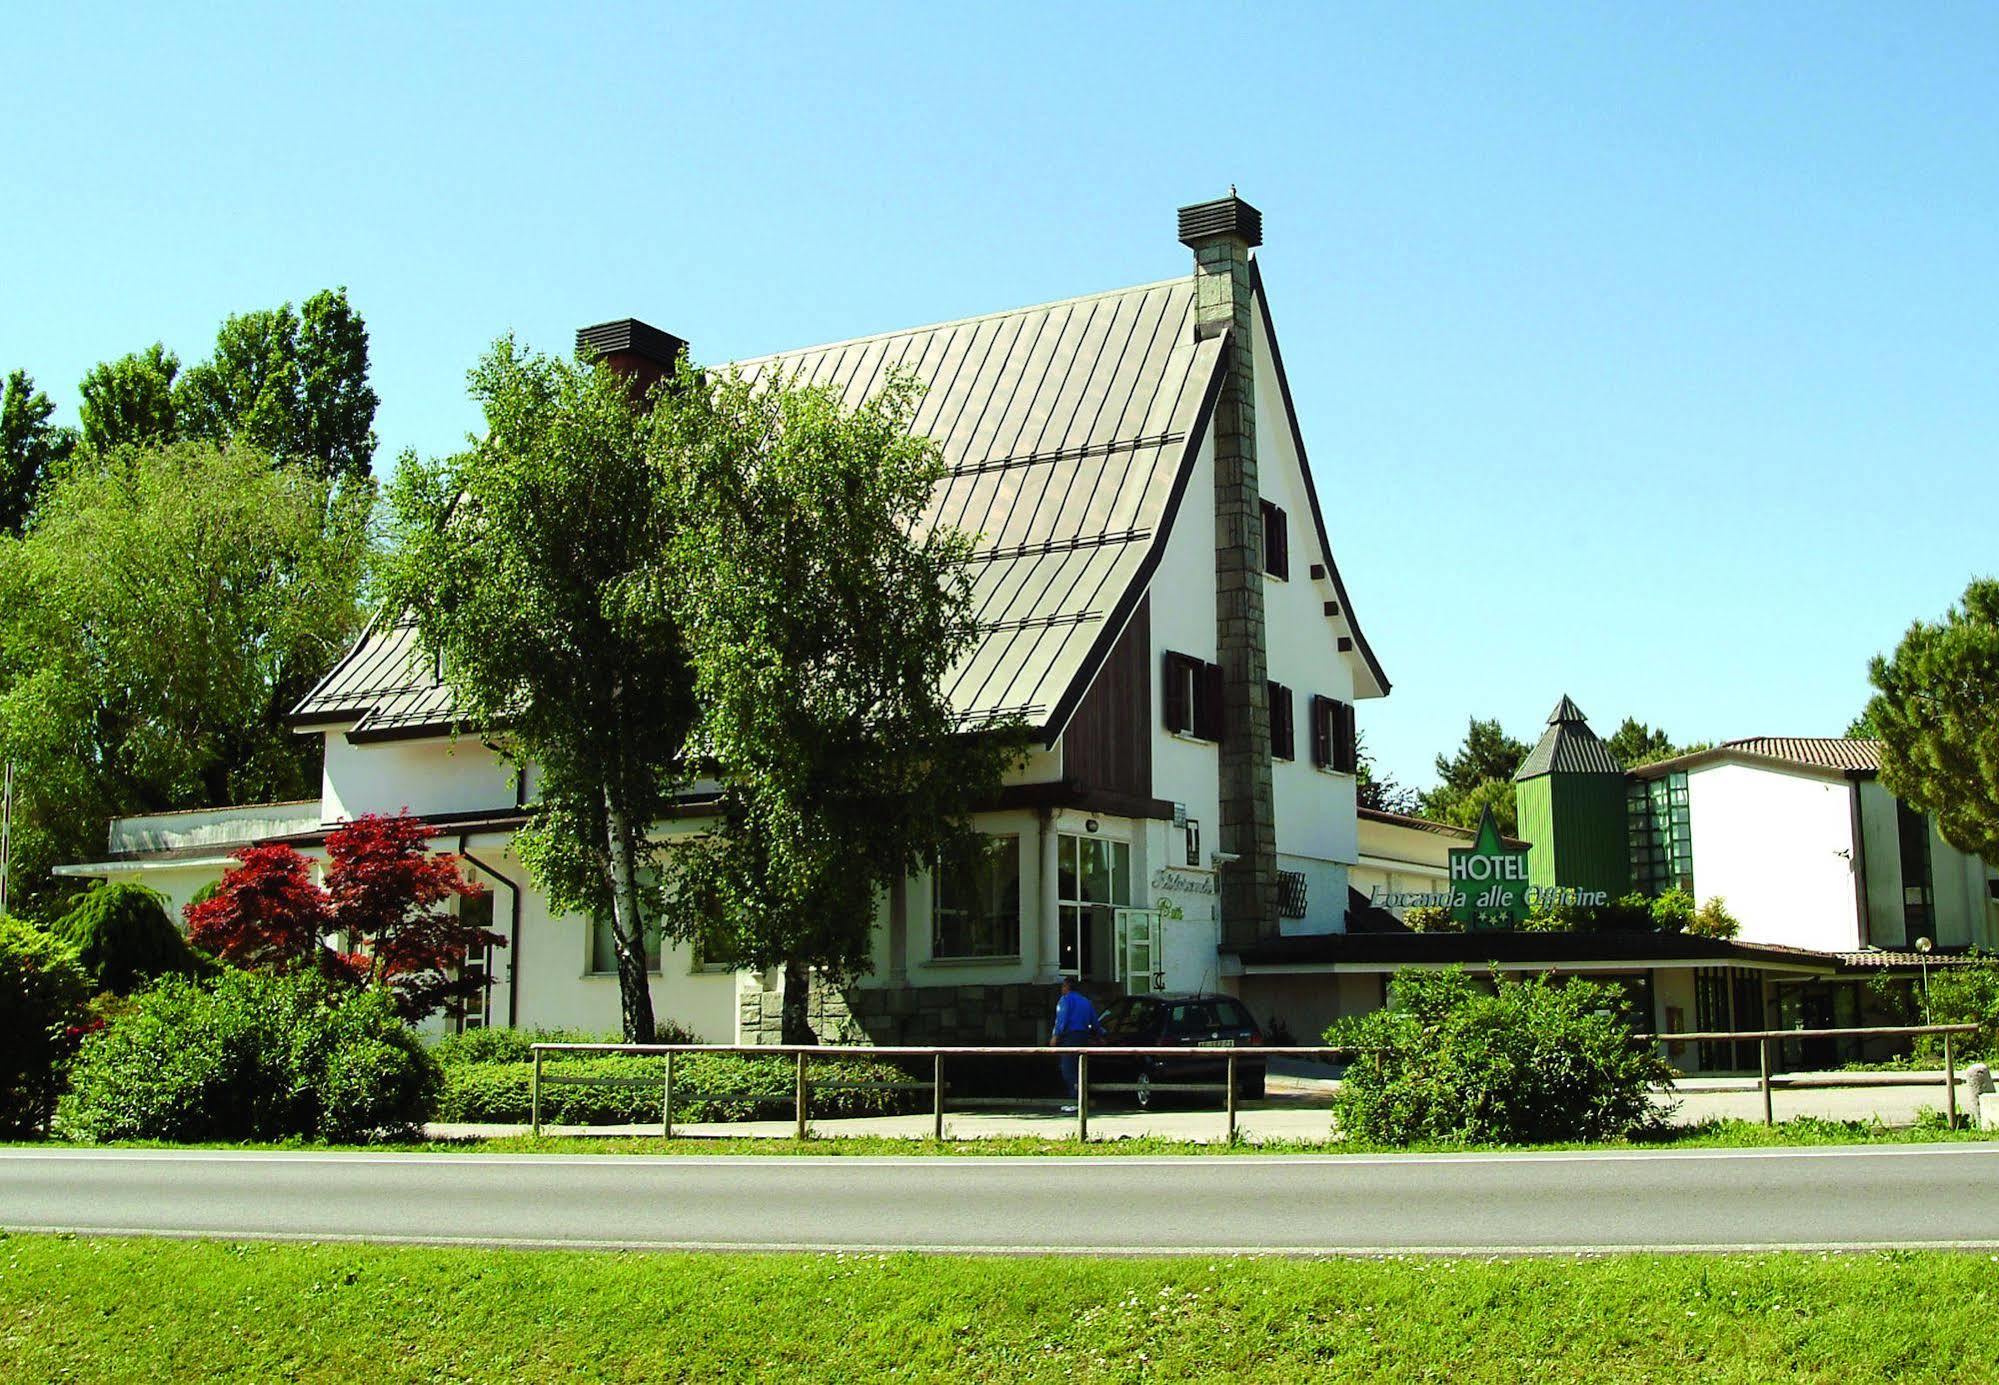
x=124 y=937
x=1712 y=920
x=1525 y=1062
x=707 y=1087
x=510 y=1045
x=251 y=1057
x=1673 y=911
x=1431 y=918
x=42 y=991
x=1963 y=994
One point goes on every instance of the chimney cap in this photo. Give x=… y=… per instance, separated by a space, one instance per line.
x=1224 y=218
x=627 y=336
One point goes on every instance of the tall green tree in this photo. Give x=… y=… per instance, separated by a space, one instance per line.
x=821 y=616
x=1487 y=752
x=1634 y=744
x=1936 y=713
x=526 y=564
x=293 y=383
x=163 y=614
x=31 y=447
x=1478 y=775
x=129 y=402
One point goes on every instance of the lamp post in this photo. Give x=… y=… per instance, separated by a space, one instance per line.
x=1923 y=946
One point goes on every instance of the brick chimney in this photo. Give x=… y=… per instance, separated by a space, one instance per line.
x=640 y=352
x=1221 y=234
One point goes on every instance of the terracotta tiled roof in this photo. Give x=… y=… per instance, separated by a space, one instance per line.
x=1822 y=752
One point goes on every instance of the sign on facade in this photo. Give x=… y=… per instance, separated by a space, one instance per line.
x=1488 y=880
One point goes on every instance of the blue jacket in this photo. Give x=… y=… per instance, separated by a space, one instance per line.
x=1075 y=1015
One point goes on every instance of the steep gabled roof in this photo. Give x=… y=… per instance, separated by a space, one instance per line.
x=1568 y=746
x=1373 y=665
x=1069 y=430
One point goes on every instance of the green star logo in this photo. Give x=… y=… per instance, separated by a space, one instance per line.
x=1489 y=879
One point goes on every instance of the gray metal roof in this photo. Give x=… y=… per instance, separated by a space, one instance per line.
x=1568 y=746
x=1067 y=428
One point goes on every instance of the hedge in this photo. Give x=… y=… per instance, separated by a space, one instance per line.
x=707 y=1087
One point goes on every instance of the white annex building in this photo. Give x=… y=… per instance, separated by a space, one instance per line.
x=1157 y=587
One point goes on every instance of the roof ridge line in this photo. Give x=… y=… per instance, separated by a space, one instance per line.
x=769 y=356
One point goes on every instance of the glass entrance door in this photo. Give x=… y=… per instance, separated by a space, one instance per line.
x=1093 y=882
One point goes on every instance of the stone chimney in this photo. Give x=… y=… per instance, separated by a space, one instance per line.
x=1221 y=234
x=640 y=352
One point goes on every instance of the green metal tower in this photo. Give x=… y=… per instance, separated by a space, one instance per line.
x=1570 y=795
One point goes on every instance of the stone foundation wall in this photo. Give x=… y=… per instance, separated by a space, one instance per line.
x=1013 y=1014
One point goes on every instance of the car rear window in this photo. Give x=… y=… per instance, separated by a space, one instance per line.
x=1235 y=1015
x=1192 y=1017
x=1127 y=1018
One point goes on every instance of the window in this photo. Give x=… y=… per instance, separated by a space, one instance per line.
x=975 y=903
x=1192 y=697
x=1912 y=830
x=1333 y=731
x=1093 y=883
x=1661 y=836
x=477 y=910
x=604 y=950
x=1276 y=542
x=1283 y=725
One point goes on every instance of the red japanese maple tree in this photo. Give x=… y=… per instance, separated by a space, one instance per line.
x=385 y=894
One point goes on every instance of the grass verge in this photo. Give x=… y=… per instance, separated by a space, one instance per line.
x=126 y=1310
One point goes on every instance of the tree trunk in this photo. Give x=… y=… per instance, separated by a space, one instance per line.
x=796 y=1016
x=628 y=927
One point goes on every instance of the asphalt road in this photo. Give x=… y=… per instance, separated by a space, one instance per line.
x=1899 y=1195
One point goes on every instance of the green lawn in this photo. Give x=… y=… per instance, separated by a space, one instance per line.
x=133 y=1310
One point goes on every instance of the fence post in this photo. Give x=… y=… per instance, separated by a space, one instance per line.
x=666 y=1101
x=937 y=1096
x=1950 y=1079
x=1763 y=1062
x=1083 y=1095
x=800 y=1095
x=1231 y=1105
x=534 y=1095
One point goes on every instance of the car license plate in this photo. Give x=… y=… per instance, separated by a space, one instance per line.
x=1216 y=1043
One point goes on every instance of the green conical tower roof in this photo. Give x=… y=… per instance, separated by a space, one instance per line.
x=1568 y=746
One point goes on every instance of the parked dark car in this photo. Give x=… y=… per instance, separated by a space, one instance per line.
x=1208 y=1023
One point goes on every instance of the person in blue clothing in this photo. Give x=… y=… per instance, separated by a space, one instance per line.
x=1075 y=1023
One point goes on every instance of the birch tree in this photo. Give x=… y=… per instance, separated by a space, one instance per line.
x=519 y=560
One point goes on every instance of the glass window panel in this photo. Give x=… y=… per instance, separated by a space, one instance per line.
x=976 y=903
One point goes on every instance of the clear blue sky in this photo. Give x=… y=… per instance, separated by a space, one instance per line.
x=1649 y=354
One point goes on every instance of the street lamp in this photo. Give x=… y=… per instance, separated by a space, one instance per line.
x=1923 y=946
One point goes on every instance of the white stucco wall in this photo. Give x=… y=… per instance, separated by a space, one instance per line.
x=1314 y=807
x=1779 y=848
x=1183 y=620
x=428 y=777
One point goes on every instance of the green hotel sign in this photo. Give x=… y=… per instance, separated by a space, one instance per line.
x=1489 y=880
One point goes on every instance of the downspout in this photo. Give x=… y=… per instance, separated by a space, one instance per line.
x=513 y=932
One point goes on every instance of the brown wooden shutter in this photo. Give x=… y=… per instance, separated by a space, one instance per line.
x=1322 y=731
x=1178 y=716
x=1283 y=728
x=1344 y=756
x=1276 y=541
x=1208 y=703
